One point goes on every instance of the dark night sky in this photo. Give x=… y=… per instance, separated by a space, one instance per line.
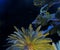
x=15 y=13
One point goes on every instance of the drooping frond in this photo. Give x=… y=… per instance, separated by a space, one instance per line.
x=58 y=45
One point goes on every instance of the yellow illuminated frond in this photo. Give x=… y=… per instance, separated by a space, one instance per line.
x=31 y=39
x=23 y=30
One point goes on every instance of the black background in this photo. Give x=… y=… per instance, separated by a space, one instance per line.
x=15 y=13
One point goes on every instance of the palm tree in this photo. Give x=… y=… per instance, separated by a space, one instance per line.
x=29 y=39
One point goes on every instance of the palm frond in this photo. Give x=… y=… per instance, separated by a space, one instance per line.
x=58 y=45
x=43 y=2
x=30 y=39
